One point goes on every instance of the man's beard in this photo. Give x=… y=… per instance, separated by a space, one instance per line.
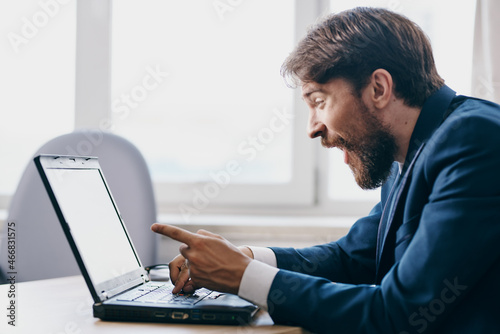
x=371 y=153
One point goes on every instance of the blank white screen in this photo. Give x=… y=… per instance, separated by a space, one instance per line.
x=94 y=223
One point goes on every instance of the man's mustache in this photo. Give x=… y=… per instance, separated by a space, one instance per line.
x=336 y=141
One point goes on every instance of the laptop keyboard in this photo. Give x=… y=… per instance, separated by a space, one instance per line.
x=162 y=294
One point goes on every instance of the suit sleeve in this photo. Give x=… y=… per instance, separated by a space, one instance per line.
x=453 y=249
x=350 y=259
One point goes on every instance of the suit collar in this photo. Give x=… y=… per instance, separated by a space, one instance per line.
x=431 y=116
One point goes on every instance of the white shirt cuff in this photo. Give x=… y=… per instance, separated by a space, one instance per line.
x=264 y=254
x=256 y=283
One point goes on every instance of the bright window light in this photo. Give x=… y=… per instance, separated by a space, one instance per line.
x=196 y=84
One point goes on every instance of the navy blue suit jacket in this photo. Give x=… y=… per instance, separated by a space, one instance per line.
x=427 y=257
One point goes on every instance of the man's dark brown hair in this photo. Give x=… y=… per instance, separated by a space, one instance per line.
x=354 y=43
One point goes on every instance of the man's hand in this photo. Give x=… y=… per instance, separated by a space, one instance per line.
x=206 y=260
x=179 y=275
x=179 y=272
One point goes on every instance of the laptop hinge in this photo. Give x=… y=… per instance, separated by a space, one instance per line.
x=113 y=292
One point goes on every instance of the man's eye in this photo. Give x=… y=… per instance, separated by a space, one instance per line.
x=319 y=101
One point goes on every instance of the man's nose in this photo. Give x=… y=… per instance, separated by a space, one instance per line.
x=315 y=127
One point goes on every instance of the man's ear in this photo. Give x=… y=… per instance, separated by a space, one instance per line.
x=381 y=86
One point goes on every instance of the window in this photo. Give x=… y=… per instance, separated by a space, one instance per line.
x=200 y=93
x=204 y=82
x=38 y=81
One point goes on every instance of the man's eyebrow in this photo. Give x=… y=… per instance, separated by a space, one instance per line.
x=306 y=94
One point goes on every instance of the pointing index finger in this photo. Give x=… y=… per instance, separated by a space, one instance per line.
x=173 y=232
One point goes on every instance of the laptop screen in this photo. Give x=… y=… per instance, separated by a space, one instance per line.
x=94 y=222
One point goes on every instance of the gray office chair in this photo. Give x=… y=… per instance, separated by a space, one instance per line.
x=42 y=250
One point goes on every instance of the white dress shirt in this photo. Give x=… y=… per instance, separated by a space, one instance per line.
x=258 y=276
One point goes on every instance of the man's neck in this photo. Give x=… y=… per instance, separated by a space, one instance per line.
x=401 y=119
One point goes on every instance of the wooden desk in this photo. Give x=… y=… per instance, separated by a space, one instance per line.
x=64 y=305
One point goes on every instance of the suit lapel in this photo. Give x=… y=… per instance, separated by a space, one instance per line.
x=385 y=258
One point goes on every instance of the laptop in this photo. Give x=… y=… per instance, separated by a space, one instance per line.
x=110 y=265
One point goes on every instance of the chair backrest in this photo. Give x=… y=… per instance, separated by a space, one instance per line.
x=42 y=250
